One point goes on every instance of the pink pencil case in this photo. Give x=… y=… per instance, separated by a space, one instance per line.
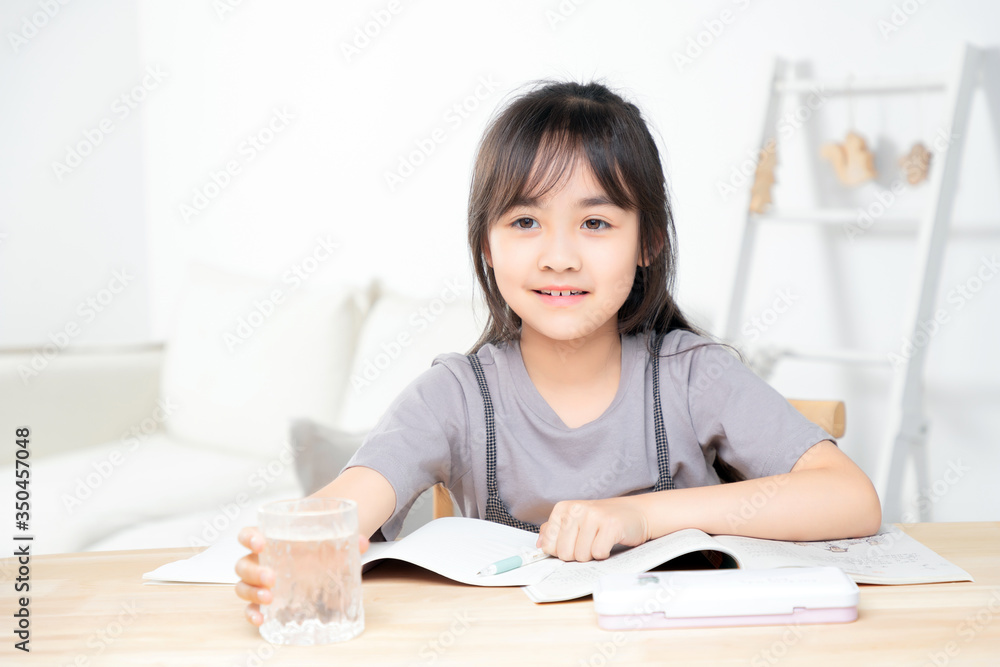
x=711 y=598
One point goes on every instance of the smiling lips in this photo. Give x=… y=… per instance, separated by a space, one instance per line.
x=564 y=297
x=561 y=292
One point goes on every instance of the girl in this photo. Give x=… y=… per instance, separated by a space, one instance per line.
x=590 y=410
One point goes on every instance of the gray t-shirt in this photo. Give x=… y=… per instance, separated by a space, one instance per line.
x=713 y=406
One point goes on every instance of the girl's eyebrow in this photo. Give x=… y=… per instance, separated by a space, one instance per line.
x=586 y=202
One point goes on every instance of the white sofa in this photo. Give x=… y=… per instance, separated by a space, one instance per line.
x=178 y=444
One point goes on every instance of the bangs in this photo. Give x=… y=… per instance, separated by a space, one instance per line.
x=540 y=159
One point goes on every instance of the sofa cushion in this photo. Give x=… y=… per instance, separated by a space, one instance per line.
x=321 y=453
x=401 y=335
x=246 y=355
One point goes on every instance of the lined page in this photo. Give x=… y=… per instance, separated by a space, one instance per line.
x=888 y=557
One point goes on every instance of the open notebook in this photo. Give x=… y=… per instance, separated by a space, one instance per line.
x=888 y=557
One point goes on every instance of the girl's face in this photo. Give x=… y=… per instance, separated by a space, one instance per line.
x=574 y=239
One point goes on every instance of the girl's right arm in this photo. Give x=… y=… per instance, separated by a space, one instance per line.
x=376 y=501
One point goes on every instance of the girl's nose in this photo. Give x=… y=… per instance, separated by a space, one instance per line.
x=559 y=252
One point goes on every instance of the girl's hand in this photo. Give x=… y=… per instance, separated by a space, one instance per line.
x=587 y=529
x=256 y=580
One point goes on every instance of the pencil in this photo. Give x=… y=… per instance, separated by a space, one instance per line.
x=513 y=562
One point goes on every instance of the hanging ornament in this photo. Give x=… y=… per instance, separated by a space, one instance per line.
x=916 y=163
x=852 y=160
x=760 y=193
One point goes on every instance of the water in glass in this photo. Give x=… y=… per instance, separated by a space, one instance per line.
x=317 y=596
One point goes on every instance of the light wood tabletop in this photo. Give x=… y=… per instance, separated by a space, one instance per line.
x=94 y=609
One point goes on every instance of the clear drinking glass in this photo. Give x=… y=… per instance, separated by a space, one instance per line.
x=311 y=544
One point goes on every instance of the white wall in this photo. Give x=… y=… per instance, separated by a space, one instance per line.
x=66 y=231
x=223 y=77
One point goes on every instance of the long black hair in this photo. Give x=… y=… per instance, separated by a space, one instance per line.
x=557 y=123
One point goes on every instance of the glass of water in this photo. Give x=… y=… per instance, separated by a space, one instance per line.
x=311 y=545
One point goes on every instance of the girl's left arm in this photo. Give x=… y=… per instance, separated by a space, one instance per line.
x=825 y=496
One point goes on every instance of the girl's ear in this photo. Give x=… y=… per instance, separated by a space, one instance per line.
x=486 y=251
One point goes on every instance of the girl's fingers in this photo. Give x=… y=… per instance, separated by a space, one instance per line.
x=251 y=538
x=254 y=574
x=253 y=593
x=253 y=614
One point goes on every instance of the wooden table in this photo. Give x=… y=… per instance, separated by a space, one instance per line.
x=94 y=609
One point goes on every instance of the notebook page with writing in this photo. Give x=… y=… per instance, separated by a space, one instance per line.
x=890 y=556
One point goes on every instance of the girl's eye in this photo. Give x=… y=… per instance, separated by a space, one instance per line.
x=517 y=223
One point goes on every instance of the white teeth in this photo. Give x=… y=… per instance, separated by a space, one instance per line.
x=564 y=293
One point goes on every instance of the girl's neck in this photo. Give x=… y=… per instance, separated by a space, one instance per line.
x=582 y=362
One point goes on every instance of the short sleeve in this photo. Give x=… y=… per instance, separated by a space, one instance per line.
x=742 y=419
x=414 y=442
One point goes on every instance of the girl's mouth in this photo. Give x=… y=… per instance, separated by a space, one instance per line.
x=563 y=298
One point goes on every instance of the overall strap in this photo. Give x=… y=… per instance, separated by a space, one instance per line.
x=665 y=481
x=496 y=511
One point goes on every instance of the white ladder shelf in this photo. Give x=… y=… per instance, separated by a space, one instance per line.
x=906 y=429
